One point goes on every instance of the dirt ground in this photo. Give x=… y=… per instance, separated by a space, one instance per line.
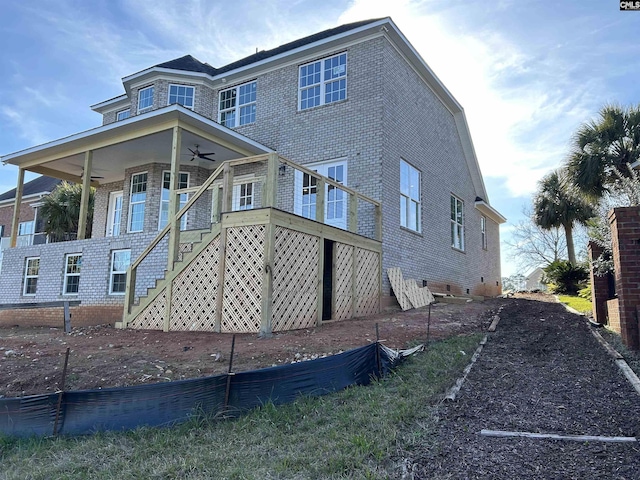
x=32 y=359
x=542 y=371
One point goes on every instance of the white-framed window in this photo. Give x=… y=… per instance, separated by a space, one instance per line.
x=123 y=114
x=120 y=261
x=73 y=263
x=457 y=223
x=243 y=196
x=323 y=81
x=114 y=214
x=31 y=271
x=410 y=205
x=145 y=99
x=25 y=228
x=183 y=182
x=182 y=94
x=238 y=105
x=483 y=231
x=137 y=199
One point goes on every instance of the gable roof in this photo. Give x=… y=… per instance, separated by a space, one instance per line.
x=41 y=185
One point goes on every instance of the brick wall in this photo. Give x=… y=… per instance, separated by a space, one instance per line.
x=27 y=213
x=625 y=235
x=81 y=316
x=613 y=315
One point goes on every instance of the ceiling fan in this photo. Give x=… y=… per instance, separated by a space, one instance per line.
x=197 y=154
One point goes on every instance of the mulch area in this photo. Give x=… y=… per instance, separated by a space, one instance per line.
x=542 y=371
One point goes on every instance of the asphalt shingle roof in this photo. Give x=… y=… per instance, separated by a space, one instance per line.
x=192 y=64
x=41 y=184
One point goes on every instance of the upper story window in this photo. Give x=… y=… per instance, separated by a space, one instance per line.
x=322 y=82
x=410 y=204
x=123 y=114
x=183 y=182
x=25 y=228
x=457 y=223
x=238 y=105
x=181 y=94
x=145 y=99
x=137 y=199
x=483 y=231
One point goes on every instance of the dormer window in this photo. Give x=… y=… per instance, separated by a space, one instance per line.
x=181 y=94
x=238 y=105
x=145 y=99
x=123 y=114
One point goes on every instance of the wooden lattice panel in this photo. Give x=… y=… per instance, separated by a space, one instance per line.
x=193 y=305
x=399 y=287
x=367 y=282
x=244 y=264
x=295 y=280
x=343 y=278
x=419 y=297
x=152 y=317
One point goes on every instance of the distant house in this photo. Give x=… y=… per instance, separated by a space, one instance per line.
x=304 y=171
x=30 y=228
x=534 y=280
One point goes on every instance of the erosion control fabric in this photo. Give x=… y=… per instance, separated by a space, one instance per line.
x=88 y=411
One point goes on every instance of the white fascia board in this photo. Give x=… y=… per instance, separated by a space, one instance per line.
x=115 y=103
x=170 y=74
x=490 y=212
x=9 y=202
x=170 y=112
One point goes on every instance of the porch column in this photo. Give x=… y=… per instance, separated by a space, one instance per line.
x=174 y=233
x=16 y=208
x=86 y=192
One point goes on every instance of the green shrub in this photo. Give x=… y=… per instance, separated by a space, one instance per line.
x=562 y=277
x=585 y=292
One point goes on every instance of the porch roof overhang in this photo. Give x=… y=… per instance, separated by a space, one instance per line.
x=136 y=141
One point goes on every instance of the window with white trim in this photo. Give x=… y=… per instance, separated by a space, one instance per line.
x=457 y=223
x=238 y=105
x=31 y=271
x=181 y=94
x=114 y=214
x=120 y=261
x=322 y=82
x=123 y=114
x=145 y=99
x=73 y=263
x=410 y=204
x=25 y=228
x=137 y=199
x=483 y=231
x=243 y=196
x=183 y=182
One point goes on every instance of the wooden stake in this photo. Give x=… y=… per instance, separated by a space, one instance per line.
x=378 y=360
x=428 y=325
x=61 y=392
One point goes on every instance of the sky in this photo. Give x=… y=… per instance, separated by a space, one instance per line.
x=527 y=72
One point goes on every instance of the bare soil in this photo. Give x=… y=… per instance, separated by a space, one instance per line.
x=542 y=371
x=32 y=359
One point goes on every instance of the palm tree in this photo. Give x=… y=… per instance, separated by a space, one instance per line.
x=558 y=204
x=61 y=211
x=601 y=147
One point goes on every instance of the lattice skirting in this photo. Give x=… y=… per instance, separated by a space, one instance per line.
x=193 y=305
x=367 y=282
x=343 y=282
x=152 y=317
x=244 y=266
x=295 y=277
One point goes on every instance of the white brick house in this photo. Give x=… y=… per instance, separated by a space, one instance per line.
x=356 y=104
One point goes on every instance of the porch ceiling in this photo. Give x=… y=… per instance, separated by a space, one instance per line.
x=137 y=141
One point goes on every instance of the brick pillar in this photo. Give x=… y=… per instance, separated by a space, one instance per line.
x=599 y=287
x=625 y=243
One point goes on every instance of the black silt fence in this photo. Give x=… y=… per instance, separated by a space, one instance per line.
x=117 y=409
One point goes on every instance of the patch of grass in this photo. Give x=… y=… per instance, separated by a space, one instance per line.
x=361 y=432
x=577 y=303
